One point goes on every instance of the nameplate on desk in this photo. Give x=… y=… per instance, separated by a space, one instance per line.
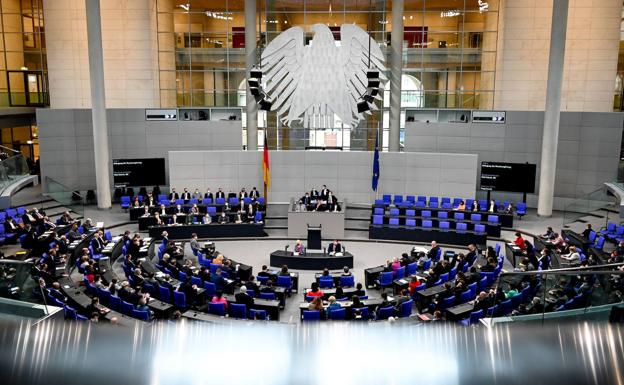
x=402 y=281
x=99 y=224
x=338 y=254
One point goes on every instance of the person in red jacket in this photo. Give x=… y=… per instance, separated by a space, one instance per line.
x=520 y=242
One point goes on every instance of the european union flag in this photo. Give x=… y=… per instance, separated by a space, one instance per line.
x=376 y=163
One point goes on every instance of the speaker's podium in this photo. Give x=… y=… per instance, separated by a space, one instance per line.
x=314 y=238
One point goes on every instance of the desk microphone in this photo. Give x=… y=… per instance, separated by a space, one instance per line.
x=286 y=248
x=324 y=251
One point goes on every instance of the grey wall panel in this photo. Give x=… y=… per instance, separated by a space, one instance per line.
x=588 y=154
x=348 y=174
x=71 y=131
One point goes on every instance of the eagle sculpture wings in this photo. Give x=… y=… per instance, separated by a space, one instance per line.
x=312 y=83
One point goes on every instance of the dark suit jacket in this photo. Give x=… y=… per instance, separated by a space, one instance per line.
x=254 y=194
x=244 y=298
x=173 y=196
x=219 y=194
x=433 y=253
x=206 y=195
x=186 y=196
x=337 y=249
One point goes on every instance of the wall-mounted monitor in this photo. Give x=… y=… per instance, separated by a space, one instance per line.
x=139 y=172
x=512 y=177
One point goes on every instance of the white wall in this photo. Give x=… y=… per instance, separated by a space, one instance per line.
x=129 y=41
x=592 y=46
x=348 y=174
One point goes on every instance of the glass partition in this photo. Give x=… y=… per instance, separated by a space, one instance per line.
x=545 y=295
x=15 y=281
x=12 y=169
x=69 y=198
x=586 y=204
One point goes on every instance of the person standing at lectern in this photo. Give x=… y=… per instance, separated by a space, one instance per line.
x=298 y=249
x=334 y=248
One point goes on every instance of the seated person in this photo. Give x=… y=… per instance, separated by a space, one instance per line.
x=475 y=205
x=174 y=220
x=334 y=248
x=243 y=298
x=251 y=213
x=178 y=210
x=333 y=304
x=223 y=218
x=509 y=209
x=461 y=206
x=146 y=212
x=254 y=194
x=208 y=194
x=315 y=291
x=136 y=203
x=573 y=257
x=331 y=202
x=492 y=207
x=219 y=298
x=207 y=219
x=549 y=234
x=173 y=195
x=162 y=210
x=306 y=202
x=238 y=217
x=346 y=272
x=519 y=241
x=194 y=209
x=298 y=249
x=197 y=195
x=186 y=195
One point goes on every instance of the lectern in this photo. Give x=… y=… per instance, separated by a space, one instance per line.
x=314 y=238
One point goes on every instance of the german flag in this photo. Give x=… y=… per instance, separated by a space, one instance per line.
x=265 y=167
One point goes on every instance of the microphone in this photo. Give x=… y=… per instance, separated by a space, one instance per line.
x=324 y=250
x=286 y=248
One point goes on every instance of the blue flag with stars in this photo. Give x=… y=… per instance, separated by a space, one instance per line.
x=376 y=163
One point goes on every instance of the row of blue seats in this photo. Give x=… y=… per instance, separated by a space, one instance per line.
x=428 y=224
x=444 y=202
x=459 y=216
x=363 y=313
x=613 y=232
x=126 y=201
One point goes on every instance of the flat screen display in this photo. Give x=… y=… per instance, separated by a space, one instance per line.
x=139 y=172
x=512 y=177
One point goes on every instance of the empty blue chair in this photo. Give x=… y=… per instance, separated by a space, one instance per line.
x=70 y=313
x=398 y=199
x=475 y=217
x=592 y=236
x=447 y=302
x=475 y=316
x=446 y=205
x=516 y=300
x=433 y=204
x=360 y=313
x=267 y=296
x=211 y=289
x=453 y=273
x=261 y=201
x=196 y=281
x=483 y=284
x=220 y=201
x=466 y=296
x=393 y=222
x=385 y=279
x=258 y=314
x=421 y=198
x=410 y=222
x=394 y=212
x=400 y=272
x=412 y=268
x=126 y=308
x=379 y=211
x=337 y=314
x=385 y=312
x=609 y=230
x=456 y=201
x=238 y=310
x=179 y=300
x=506 y=307
x=326 y=283
x=179 y=201
x=492 y=219
x=427 y=224
x=473 y=288
x=521 y=209
x=427 y=265
x=379 y=202
x=444 y=277
x=387 y=199
x=214 y=267
x=233 y=201
x=165 y=294
x=284 y=281
x=125 y=202
x=207 y=201
x=311 y=315
x=405 y=310
x=442 y=215
x=216 y=308
x=599 y=243
x=377 y=220
x=410 y=213
x=348 y=281
x=433 y=200
x=461 y=227
x=426 y=214
x=458 y=216
x=182 y=276
x=483 y=205
x=479 y=228
x=420 y=204
x=411 y=199
x=114 y=302
x=142 y=315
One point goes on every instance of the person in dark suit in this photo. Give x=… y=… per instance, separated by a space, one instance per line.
x=324 y=192
x=492 y=208
x=242 y=194
x=29 y=218
x=186 y=195
x=150 y=201
x=483 y=302
x=433 y=252
x=331 y=202
x=223 y=218
x=243 y=298
x=254 y=194
x=334 y=247
x=11 y=227
x=306 y=201
x=471 y=256
x=587 y=231
x=220 y=193
x=475 y=205
x=314 y=194
x=173 y=195
x=55 y=291
x=189 y=290
x=97 y=243
x=208 y=194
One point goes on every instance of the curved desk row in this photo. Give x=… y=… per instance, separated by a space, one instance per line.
x=136 y=212
x=213 y=230
x=416 y=234
x=493 y=230
x=506 y=220
x=311 y=261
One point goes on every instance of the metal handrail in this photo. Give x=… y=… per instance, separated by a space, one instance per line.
x=10 y=149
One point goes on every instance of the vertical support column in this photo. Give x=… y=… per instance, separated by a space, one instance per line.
x=250 y=59
x=396 y=71
x=98 y=104
x=554 y=83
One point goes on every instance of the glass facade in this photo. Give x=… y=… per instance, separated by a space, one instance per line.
x=449 y=56
x=23 y=71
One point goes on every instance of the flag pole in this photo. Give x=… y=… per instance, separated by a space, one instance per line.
x=377 y=145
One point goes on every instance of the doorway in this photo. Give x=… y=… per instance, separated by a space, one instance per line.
x=27 y=88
